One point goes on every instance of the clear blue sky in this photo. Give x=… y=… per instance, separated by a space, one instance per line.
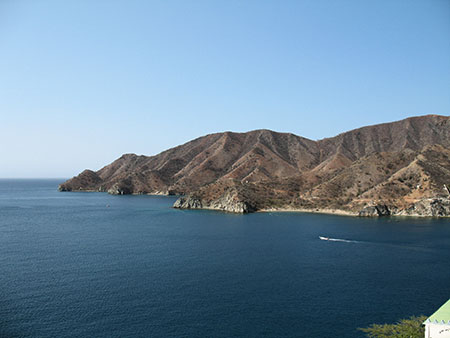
x=84 y=81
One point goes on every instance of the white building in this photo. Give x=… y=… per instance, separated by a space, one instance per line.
x=438 y=325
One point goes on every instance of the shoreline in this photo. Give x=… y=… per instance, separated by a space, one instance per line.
x=326 y=211
x=312 y=211
x=335 y=212
x=338 y=212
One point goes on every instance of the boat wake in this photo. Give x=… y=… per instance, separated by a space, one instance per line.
x=390 y=245
x=337 y=240
x=342 y=240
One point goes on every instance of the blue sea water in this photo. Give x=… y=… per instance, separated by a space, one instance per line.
x=95 y=265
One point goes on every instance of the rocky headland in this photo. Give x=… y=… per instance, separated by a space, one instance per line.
x=398 y=168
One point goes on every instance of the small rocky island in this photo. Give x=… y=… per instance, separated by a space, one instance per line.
x=398 y=168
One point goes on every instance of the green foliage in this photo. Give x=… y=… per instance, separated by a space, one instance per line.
x=405 y=328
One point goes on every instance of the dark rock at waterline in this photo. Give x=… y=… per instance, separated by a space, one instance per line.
x=375 y=211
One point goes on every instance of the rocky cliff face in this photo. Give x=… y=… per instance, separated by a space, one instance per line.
x=436 y=207
x=430 y=207
x=228 y=203
x=375 y=211
x=395 y=164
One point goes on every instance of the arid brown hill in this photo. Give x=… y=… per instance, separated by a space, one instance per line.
x=399 y=164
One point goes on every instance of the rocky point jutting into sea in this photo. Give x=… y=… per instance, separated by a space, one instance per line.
x=398 y=168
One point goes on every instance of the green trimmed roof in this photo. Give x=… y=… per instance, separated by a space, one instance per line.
x=442 y=314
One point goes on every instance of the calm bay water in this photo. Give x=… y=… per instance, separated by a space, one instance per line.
x=96 y=265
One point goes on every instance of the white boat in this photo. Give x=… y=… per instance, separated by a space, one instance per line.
x=324 y=238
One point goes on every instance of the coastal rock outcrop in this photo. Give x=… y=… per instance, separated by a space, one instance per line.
x=375 y=211
x=188 y=202
x=225 y=204
x=228 y=203
x=120 y=189
x=436 y=207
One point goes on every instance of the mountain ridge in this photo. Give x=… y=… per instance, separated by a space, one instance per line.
x=264 y=158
